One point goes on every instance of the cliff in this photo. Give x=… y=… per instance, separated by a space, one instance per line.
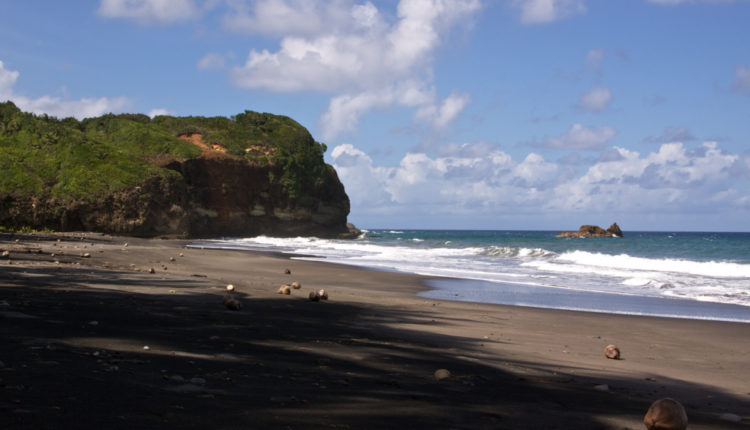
x=168 y=176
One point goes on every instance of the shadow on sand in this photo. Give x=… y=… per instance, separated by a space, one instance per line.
x=78 y=352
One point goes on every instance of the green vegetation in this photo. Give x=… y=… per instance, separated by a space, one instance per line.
x=96 y=156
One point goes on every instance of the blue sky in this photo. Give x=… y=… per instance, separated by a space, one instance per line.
x=505 y=114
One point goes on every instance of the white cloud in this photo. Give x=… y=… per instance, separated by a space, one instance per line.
x=742 y=80
x=580 y=137
x=596 y=100
x=297 y=17
x=484 y=180
x=211 y=60
x=7 y=81
x=444 y=113
x=543 y=11
x=359 y=56
x=150 y=11
x=54 y=106
x=156 y=112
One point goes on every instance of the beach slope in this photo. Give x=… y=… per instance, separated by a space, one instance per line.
x=92 y=339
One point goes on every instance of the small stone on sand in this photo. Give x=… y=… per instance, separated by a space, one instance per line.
x=296 y=285
x=231 y=303
x=612 y=352
x=666 y=414
x=288 y=272
x=313 y=296
x=230 y=287
x=323 y=294
x=284 y=289
x=441 y=374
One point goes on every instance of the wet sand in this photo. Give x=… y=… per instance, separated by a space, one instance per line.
x=98 y=341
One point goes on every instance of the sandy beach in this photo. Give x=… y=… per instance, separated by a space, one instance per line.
x=92 y=339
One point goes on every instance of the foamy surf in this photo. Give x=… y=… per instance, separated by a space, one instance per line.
x=643 y=266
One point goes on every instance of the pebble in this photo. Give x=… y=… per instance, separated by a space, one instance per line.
x=151 y=270
x=323 y=294
x=146 y=348
x=284 y=289
x=6 y=253
x=603 y=388
x=171 y=258
x=314 y=296
x=441 y=374
x=230 y=287
x=182 y=255
x=296 y=285
x=612 y=352
x=86 y=255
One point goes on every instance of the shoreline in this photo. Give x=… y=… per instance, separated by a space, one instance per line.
x=363 y=359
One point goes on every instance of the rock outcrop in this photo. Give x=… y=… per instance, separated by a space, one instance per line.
x=260 y=174
x=593 y=231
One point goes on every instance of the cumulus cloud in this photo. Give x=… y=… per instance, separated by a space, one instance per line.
x=581 y=137
x=595 y=100
x=159 y=111
x=742 y=80
x=444 y=113
x=544 y=11
x=150 y=11
x=55 y=106
x=364 y=58
x=483 y=179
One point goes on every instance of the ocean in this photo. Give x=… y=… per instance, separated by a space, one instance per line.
x=669 y=274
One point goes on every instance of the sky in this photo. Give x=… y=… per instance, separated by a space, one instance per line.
x=447 y=114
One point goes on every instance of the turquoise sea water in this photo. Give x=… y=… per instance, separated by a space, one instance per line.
x=693 y=275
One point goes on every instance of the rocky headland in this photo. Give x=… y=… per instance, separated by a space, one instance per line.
x=128 y=174
x=593 y=231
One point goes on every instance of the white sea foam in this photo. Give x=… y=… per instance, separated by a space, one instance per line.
x=723 y=282
x=624 y=261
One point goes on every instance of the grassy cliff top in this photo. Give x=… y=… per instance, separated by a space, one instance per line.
x=96 y=156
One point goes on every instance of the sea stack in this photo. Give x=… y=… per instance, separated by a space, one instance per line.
x=593 y=231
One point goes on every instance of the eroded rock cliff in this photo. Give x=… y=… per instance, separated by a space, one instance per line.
x=190 y=177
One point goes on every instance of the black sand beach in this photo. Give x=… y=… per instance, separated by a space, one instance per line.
x=98 y=341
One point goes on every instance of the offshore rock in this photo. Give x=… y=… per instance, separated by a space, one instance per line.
x=593 y=231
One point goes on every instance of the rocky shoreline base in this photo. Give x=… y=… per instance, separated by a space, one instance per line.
x=112 y=332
